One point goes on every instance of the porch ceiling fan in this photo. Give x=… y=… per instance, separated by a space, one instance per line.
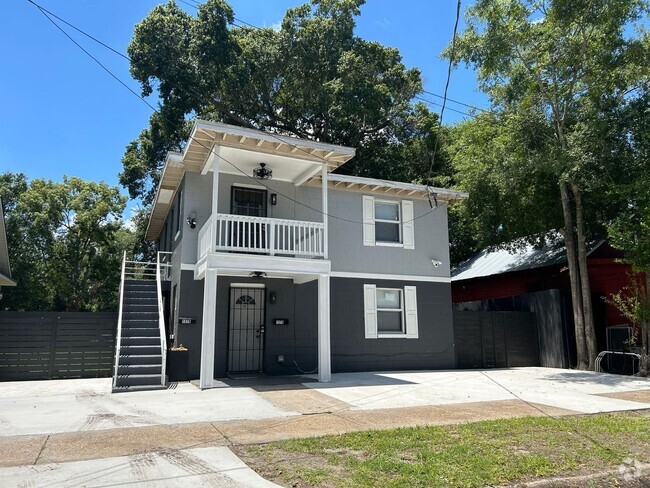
x=262 y=172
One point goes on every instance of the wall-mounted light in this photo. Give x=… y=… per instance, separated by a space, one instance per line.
x=274 y=198
x=191 y=220
x=273 y=298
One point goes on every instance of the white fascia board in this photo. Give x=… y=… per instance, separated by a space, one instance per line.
x=395 y=277
x=311 y=172
x=224 y=262
x=397 y=185
x=6 y=281
x=261 y=135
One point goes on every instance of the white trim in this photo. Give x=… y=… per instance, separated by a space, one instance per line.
x=188 y=267
x=399 y=310
x=178 y=234
x=250 y=185
x=388 y=244
x=247 y=285
x=324 y=349
x=378 y=276
x=442 y=193
x=381 y=335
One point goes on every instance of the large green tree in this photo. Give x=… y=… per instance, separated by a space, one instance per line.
x=312 y=78
x=556 y=71
x=65 y=241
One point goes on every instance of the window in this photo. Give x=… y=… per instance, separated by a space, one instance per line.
x=179 y=199
x=388 y=223
x=390 y=312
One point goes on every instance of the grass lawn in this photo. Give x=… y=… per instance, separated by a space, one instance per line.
x=478 y=454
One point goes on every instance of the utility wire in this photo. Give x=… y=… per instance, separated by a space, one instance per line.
x=210 y=149
x=442 y=110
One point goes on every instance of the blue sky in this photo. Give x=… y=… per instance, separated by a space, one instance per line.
x=60 y=113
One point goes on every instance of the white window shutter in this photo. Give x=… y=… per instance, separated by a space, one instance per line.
x=408 y=232
x=368 y=221
x=370 y=310
x=411 y=312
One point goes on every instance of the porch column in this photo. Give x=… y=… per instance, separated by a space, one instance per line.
x=209 y=323
x=325 y=211
x=324 y=359
x=216 y=159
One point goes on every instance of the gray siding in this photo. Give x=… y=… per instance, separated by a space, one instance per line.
x=347 y=251
x=298 y=341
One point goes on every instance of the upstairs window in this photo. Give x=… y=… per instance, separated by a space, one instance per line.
x=388 y=223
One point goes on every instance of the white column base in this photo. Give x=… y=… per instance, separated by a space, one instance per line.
x=208 y=330
x=324 y=356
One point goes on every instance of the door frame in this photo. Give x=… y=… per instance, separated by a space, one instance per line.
x=231 y=290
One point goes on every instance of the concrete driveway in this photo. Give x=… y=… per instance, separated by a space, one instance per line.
x=76 y=433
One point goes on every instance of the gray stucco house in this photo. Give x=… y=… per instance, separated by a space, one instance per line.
x=280 y=266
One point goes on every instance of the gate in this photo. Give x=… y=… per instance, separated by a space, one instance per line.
x=495 y=339
x=56 y=345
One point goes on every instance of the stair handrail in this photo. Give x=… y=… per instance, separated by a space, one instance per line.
x=118 y=339
x=161 y=321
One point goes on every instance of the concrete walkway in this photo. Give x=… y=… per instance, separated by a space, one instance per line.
x=87 y=427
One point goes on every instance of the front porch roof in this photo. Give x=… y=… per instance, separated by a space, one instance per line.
x=240 y=150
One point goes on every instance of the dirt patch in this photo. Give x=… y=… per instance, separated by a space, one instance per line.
x=641 y=396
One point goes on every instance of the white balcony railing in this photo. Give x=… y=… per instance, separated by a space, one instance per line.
x=261 y=235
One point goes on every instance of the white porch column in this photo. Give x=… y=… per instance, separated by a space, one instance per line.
x=325 y=211
x=216 y=159
x=208 y=329
x=324 y=359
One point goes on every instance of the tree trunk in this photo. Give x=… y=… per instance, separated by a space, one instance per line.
x=576 y=295
x=587 y=307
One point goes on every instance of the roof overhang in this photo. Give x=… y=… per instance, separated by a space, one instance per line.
x=237 y=150
x=6 y=281
x=389 y=188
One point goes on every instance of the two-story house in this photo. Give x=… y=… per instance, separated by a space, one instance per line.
x=280 y=266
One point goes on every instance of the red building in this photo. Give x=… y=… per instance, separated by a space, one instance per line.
x=537 y=280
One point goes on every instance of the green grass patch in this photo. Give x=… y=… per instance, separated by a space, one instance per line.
x=470 y=455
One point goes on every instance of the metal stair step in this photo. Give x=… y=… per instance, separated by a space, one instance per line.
x=125 y=389
x=139 y=369
x=139 y=317
x=140 y=350
x=140 y=341
x=142 y=359
x=138 y=379
x=140 y=332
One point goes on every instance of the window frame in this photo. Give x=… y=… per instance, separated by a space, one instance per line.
x=401 y=311
x=398 y=222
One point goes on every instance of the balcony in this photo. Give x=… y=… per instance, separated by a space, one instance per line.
x=262 y=236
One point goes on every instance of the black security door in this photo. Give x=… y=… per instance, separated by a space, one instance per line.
x=246 y=330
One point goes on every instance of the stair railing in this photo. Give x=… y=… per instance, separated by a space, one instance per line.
x=161 y=312
x=118 y=339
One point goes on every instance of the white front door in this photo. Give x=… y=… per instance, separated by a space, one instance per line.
x=246 y=330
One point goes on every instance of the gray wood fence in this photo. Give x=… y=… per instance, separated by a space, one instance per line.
x=56 y=345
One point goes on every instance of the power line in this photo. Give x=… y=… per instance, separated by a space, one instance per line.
x=474 y=107
x=444 y=103
x=210 y=149
x=426 y=100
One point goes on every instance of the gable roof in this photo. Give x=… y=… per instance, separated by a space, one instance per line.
x=5 y=267
x=524 y=257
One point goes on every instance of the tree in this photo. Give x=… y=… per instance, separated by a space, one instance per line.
x=65 y=241
x=312 y=78
x=556 y=71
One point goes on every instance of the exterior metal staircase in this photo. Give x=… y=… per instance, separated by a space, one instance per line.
x=141 y=346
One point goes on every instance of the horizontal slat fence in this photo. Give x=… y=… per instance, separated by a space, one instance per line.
x=56 y=345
